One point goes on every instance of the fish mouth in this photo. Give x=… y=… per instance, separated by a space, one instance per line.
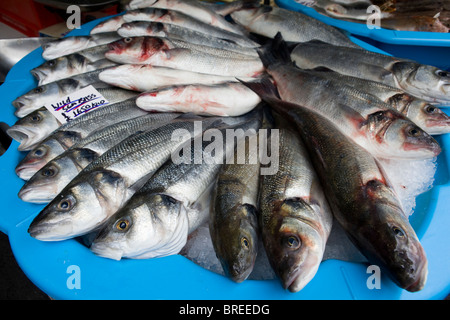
x=41 y=194
x=39 y=75
x=49 y=231
x=104 y=250
x=438 y=126
x=26 y=136
x=27 y=169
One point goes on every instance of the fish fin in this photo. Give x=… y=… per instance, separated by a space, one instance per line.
x=354 y=116
x=263 y=87
x=275 y=51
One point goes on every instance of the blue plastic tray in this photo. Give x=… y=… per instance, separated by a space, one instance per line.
x=50 y=265
x=426 y=47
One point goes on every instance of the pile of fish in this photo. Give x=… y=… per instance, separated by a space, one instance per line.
x=406 y=15
x=137 y=177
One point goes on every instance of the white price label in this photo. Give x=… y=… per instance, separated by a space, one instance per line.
x=76 y=104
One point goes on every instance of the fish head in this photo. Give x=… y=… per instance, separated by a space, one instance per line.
x=246 y=16
x=73 y=212
x=434 y=120
x=119 y=75
x=38 y=157
x=238 y=243
x=295 y=247
x=139 y=49
x=396 y=136
x=147 y=226
x=49 y=181
x=424 y=81
x=142 y=28
x=63 y=46
x=32 y=128
x=389 y=241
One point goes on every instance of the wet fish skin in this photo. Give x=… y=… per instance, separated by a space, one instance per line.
x=233 y=222
x=294 y=26
x=295 y=218
x=33 y=128
x=428 y=117
x=67 y=66
x=156 y=51
x=72 y=44
x=65 y=136
x=145 y=77
x=148 y=232
x=171 y=31
x=182 y=20
x=108 y=25
x=362 y=200
x=106 y=184
x=224 y=99
x=192 y=8
x=49 y=181
x=423 y=81
x=50 y=92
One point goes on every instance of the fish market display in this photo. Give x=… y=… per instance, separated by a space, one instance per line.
x=251 y=135
x=405 y=15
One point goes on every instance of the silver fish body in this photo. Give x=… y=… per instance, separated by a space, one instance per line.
x=423 y=81
x=223 y=99
x=294 y=26
x=108 y=25
x=145 y=77
x=361 y=197
x=192 y=8
x=105 y=185
x=162 y=52
x=68 y=134
x=144 y=228
x=68 y=45
x=295 y=217
x=182 y=20
x=166 y=30
x=49 y=181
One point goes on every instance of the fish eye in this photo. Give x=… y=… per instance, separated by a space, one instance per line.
x=414 y=132
x=36 y=118
x=245 y=243
x=39 y=152
x=49 y=172
x=430 y=109
x=442 y=73
x=65 y=204
x=292 y=242
x=398 y=232
x=122 y=224
x=51 y=63
x=127 y=40
x=38 y=90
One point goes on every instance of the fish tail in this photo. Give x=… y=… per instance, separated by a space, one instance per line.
x=275 y=51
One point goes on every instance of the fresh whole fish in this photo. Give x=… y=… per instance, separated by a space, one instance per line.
x=39 y=124
x=294 y=26
x=67 y=66
x=160 y=52
x=224 y=99
x=376 y=126
x=158 y=218
x=72 y=44
x=185 y=21
x=166 y=30
x=428 y=117
x=51 y=92
x=145 y=77
x=233 y=222
x=360 y=196
x=423 y=81
x=295 y=218
x=105 y=185
x=49 y=181
x=70 y=133
x=33 y=128
x=108 y=25
x=191 y=8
